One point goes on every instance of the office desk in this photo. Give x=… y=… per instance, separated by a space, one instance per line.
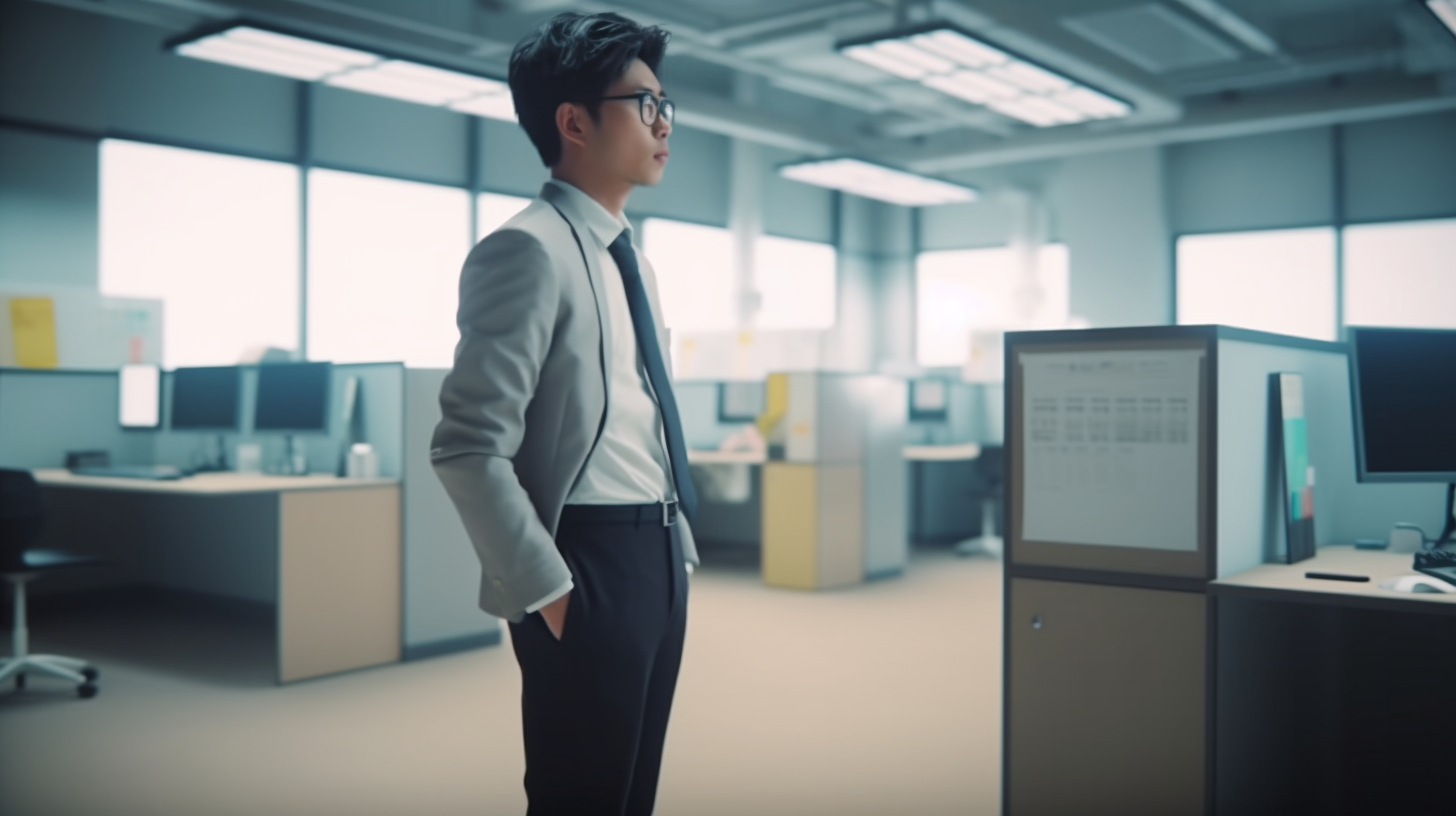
x=1332 y=697
x=942 y=453
x=323 y=551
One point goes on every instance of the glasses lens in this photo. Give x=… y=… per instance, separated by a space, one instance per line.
x=668 y=109
x=649 y=109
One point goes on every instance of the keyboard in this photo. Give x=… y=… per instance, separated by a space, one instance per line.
x=1437 y=564
x=151 y=472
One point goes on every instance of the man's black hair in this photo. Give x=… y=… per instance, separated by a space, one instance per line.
x=575 y=57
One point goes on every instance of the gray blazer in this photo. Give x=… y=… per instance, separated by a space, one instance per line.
x=526 y=400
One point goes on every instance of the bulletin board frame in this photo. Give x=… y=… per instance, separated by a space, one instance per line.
x=1062 y=559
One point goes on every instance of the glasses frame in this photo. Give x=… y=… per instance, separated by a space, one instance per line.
x=665 y=107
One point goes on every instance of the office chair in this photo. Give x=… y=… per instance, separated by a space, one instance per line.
x=22 y=519
x=990 y=479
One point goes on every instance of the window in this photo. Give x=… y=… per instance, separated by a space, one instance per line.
x=1277 y=281
x=214 y=237
x=384 y=262
x=493 y=209
x=695 y=278
x=796 y=283
x=1401 y=274
x=963 y=289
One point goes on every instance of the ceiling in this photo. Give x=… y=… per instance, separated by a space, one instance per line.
x=767 y=71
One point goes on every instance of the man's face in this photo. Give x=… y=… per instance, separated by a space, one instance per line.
x=623 y=145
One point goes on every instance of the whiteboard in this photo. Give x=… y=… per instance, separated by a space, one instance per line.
x=1110 y=443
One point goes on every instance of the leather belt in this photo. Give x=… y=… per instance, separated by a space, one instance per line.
x=661 y=513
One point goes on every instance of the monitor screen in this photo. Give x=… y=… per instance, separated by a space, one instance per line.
x=740 y=401
x=929 y=400
x=293 y=397
x=206 y=399
x=1403 y=382
x=140 y=396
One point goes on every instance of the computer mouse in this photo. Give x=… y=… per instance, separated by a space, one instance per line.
x=1423 y=584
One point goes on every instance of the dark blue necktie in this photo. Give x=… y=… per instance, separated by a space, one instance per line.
x=646 y=330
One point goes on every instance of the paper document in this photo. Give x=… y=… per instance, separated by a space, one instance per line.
x=1110 y=442
x=33 y=320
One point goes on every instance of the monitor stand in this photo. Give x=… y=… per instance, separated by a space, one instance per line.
x=211 y=463
x=1448 y=528
x=295 y=458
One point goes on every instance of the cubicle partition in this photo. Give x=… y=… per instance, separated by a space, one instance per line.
x=240 y=544
x=441 y=571
x=1139 y=470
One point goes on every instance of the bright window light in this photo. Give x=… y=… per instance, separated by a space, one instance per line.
x=959 y=290
x=493 y=209
x=1445 y=11
x=960 y=65
x=879 y=182
x=795 y=282
x=1401 y=274
x=384 y=261
x=695 y=280
x=1279 y=281
x=215 y=237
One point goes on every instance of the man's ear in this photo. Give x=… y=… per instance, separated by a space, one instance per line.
x=573 y=123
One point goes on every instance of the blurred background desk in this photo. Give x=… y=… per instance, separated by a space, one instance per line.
x=323 y=551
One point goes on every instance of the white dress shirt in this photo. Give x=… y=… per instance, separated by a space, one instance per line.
x=629 y=464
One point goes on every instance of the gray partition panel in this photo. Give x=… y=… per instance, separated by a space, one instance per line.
x=44 y=414
x=441 y=571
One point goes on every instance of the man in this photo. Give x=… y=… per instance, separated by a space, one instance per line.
x=560 y=445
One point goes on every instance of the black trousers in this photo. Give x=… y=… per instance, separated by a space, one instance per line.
x=595 y=704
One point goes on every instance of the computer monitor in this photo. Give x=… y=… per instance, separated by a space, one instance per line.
x=139 y=396
x=1403 y=387
x=740 y=401
x=293 y=398
x=929 y=400
x=206 y=399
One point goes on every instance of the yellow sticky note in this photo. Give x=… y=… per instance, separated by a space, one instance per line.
x=776 y=401
x=34 y=323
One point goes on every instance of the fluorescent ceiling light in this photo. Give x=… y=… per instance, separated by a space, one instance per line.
x=497 y=106
x=957 y=64
x=301 y=58
x=1445 y=11
x=877 y=181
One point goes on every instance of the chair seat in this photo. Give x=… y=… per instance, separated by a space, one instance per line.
x=45 y=560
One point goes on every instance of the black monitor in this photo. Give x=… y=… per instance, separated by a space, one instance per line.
x=293 y=397
x=740 y=401
x=139 y=396
x=1403 y=387
x=929 y=400
x=206 y=399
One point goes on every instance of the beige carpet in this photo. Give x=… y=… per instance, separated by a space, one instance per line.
x=881 y=699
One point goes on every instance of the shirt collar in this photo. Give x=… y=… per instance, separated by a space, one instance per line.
x=605 y=226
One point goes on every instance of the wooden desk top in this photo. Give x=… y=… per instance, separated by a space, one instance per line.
x=942 y=453
x=913 y=453
x=715 y=457
x=1286 y=582
x=208 y=484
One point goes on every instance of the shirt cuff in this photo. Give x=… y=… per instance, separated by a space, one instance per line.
x=555 y=595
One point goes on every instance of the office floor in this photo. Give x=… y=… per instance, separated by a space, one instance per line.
x=880 y=699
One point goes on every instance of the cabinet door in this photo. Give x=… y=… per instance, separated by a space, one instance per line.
x=1106 y=700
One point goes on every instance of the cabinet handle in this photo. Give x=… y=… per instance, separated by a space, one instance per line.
x=1036 y=621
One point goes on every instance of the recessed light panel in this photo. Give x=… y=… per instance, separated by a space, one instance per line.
x=879 y=182
x=959 y=65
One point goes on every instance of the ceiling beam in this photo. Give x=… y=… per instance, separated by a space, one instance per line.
x=1249 y=117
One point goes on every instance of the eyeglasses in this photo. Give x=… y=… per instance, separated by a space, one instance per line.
x=649 y=107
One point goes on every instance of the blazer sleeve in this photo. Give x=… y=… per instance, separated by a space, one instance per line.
x=509 y=298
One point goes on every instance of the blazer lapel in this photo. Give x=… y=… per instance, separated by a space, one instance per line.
x=587 y=246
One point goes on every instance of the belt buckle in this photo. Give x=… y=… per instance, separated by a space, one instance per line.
x=669 y=513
